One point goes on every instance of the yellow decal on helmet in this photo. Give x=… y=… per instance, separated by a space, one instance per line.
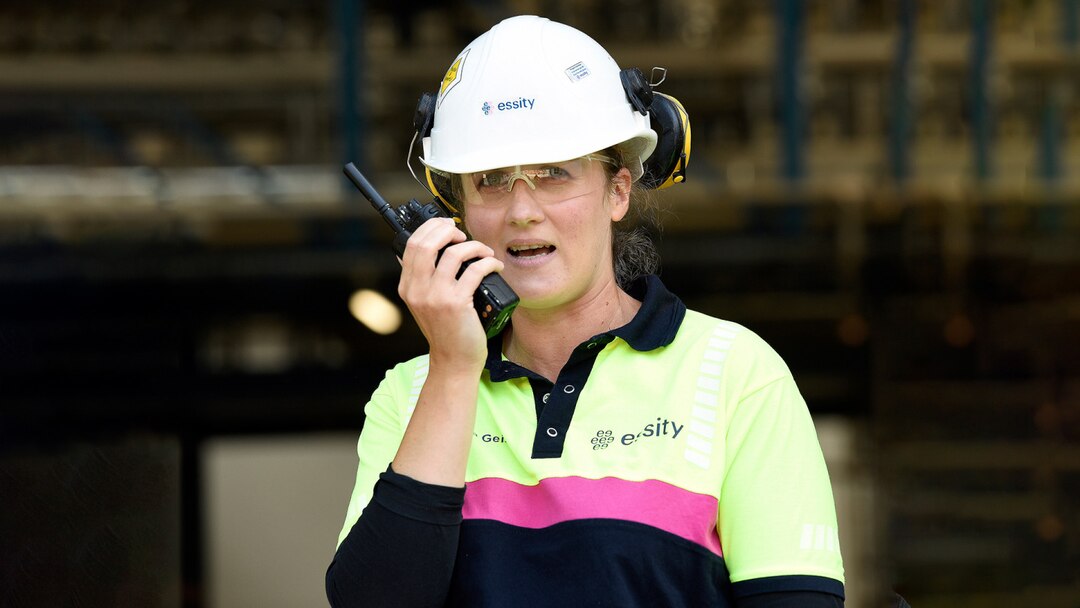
x=453 y=75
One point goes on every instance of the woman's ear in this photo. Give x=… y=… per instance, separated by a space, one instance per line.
x=621 y=183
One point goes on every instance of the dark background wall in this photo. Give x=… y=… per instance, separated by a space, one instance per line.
x=887 y=191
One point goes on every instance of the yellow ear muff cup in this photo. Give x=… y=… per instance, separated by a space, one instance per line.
x=441 y=188
x=667 y=164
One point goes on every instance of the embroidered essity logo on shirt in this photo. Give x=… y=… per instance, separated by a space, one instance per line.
x=602 y=440
x=661 y=429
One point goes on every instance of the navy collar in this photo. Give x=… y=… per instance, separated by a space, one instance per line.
x=654 y=325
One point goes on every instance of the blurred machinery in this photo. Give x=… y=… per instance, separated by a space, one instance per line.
x=887 y=190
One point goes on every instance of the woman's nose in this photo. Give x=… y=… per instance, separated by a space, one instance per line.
x=522 y=206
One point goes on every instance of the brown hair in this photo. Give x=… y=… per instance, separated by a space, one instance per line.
x=632 y=248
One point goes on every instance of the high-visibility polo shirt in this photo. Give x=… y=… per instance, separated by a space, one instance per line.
x=672 y=462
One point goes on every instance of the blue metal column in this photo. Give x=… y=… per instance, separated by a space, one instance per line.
x=1050 y=216
x=351 y=112
x=900 y=131
x=1070 y=12
x=1050 y=138
x=980 y=103
x=789 y=23
x=350 y=31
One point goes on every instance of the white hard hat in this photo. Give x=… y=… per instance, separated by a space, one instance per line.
x=531 y=90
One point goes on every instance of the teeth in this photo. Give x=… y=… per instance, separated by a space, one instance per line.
x=526 y=247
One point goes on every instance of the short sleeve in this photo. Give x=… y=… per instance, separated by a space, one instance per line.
x=777 y=519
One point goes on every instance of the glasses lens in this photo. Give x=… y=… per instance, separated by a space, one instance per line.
x=549 y=182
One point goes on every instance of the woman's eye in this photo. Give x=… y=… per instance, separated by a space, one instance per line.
x=556 y=172
x=488 y=180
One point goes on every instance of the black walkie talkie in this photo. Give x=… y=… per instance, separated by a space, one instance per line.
x=494 y=300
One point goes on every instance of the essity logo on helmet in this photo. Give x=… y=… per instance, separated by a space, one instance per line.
x=521 y=103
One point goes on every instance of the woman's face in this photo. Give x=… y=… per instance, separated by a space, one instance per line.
x=550 y=225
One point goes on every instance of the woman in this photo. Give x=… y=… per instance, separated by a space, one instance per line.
x=609 y=447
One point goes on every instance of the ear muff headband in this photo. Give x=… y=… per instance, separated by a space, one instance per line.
x=664 y=167
x=637 y=89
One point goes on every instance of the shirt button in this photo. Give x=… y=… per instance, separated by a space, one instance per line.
x=569 y=388
x=552 y=432
x=546 y=397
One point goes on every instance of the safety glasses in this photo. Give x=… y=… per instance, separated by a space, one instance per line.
x=549 y=182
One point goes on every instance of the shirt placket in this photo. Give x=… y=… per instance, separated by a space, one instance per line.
x=556 y=403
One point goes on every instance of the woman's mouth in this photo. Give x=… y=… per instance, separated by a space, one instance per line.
x=530 y=251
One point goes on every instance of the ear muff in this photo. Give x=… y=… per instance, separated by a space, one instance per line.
x=423 y=119
x=667 y=164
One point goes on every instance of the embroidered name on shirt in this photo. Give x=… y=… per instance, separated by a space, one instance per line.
x=490 y=438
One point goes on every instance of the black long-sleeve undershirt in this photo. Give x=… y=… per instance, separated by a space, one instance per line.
x=400 y=553
x=401 y=550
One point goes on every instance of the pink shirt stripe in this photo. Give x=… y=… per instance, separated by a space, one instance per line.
x=558 y=499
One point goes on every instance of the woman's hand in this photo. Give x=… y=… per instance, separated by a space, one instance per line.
x=435 y=447
x=441 y=302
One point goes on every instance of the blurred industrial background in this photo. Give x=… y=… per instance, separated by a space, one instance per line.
x=887 y=190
